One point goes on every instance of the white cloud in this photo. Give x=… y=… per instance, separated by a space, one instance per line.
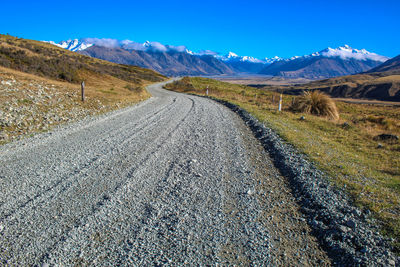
x=180 y=48
x=207 y=52
x=128 y=44
x=106 y=42
x=157 y=47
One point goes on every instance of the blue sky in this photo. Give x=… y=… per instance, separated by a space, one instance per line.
x=254 y=28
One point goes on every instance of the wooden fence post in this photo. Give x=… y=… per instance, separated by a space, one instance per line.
x=83 y=91
x=280 y=103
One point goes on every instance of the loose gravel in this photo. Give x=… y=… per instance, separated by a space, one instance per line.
x=349 y=235
x=174 y=180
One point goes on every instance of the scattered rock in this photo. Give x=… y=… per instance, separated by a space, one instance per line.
x=302 y=118
x=386 y=137
x=352 y=224
x=343 y=229
x=3 y=136
x=346 y=125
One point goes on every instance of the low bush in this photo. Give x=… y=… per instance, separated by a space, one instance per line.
x=317 y=103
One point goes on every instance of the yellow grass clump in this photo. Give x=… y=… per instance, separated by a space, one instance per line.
x=317 y=103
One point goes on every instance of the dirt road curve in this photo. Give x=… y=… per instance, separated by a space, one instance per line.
x=176 y=179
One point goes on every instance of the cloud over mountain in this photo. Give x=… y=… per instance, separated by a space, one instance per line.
x=132 y=45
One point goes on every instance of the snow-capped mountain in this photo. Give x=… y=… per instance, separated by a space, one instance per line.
x=273 y=59
x=327 y=63
x=233 y=57
x=230 y=57
x=73 y=45
x=344 y=52
x=84 y=43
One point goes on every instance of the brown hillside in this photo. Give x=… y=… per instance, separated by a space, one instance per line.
x=383 y=86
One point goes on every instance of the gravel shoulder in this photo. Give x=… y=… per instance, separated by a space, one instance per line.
x=176 y=179
x=350 y=236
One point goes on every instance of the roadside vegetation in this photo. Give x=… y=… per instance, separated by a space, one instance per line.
x=348 y=145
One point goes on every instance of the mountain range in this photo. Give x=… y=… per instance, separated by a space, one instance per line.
x=327 y=63
x=178 y=60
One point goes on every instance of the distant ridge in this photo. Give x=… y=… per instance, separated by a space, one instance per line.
x=179 y=60
x=390 y=65
x=327 y=63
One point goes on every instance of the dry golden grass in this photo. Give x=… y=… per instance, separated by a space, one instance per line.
x=316 y=103
x=390 y=78
x=102 y=93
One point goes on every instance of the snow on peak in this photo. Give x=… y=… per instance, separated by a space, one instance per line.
x=347 y=52
x=232 y=55
x=73 y=45
x=147 y=44
x=273 y=59
x=187 y=51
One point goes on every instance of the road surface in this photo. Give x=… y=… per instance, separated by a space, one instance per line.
x=174 y=180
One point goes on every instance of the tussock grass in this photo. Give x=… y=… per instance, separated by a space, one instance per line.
x=317 y=103
x=345 y=148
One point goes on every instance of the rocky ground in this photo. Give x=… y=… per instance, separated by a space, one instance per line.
x=29 y=106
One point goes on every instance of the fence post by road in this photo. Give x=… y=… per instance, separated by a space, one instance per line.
x=280 y=103
x=83 y=91
x=207 y=90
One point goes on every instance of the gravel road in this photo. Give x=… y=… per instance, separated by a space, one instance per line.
x=176 y=179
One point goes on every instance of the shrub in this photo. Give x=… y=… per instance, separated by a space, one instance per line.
x=185 y=84
x=317 y=103
x=134 y=88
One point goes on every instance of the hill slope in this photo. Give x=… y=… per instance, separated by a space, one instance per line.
x=50 y=61
x=390 y=65
x=383 y=86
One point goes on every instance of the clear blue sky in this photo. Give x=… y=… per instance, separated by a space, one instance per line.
x=254 y=28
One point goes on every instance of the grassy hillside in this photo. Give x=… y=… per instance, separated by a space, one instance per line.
x=50 y=61
x=40 y=86
x=346 y=149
